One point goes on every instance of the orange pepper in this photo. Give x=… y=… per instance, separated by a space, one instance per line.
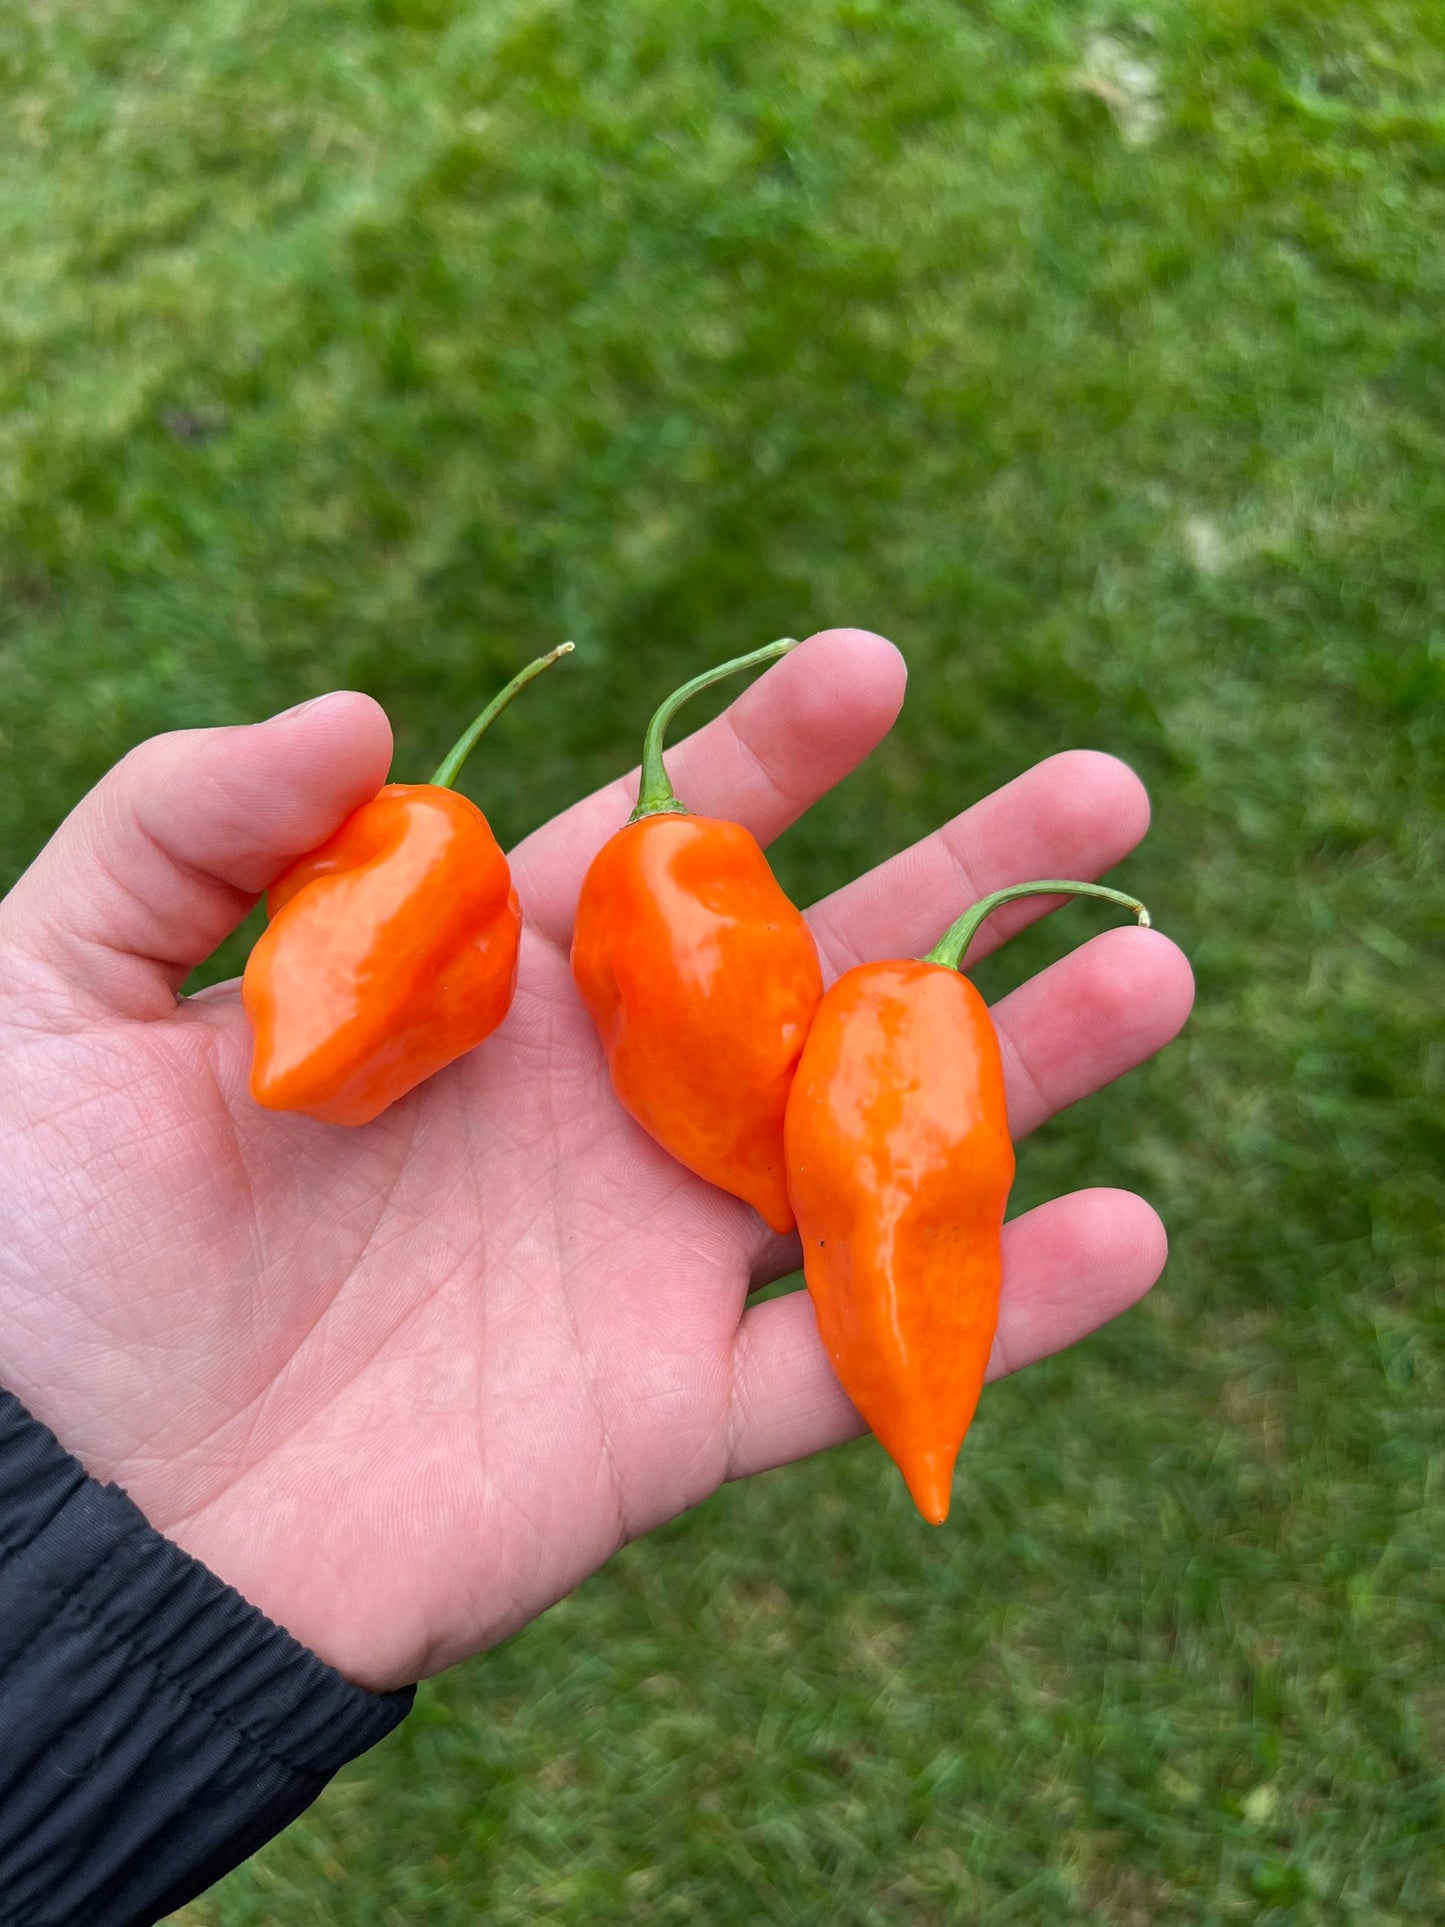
x=391 y=949
x=701 y=976
x=899 y=1166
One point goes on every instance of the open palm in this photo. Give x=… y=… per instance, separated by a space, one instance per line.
x=404 y=1386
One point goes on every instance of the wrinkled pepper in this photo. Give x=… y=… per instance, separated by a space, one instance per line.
x=391 y=949
x=899 y=1165
x=701 y=977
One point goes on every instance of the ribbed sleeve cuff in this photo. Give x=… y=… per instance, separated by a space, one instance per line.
x=155 y=1728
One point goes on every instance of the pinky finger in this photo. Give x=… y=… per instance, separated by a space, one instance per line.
x=1068 y=1268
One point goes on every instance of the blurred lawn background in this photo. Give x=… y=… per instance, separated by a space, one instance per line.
x=1095 y=356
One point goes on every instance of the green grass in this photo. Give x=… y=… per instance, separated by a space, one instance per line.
x=385 y=344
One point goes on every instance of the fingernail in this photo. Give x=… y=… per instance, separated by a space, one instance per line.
x=312 y=702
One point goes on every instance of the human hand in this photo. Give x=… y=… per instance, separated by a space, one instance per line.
x=407 y=1385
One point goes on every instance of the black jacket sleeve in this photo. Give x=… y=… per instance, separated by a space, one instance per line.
x=154 y=1727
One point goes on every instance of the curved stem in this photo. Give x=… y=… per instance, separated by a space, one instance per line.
x=451 y=767
x=655 y=795
x=951 y=950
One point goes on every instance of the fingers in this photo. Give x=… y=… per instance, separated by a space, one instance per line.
x=1075 y=815
x=169 y=851
x=1069 y=1267
x=788 y=738
x=1097 y=1013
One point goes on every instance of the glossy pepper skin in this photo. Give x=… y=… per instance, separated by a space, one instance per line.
x=391 y=949
x=899 y=1166
x=702 y=979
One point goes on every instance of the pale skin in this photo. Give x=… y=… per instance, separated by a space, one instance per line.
x=405 y=1386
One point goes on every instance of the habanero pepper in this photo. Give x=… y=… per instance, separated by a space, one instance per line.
x=701 y=977
x=899 y=1166
x=391 y=949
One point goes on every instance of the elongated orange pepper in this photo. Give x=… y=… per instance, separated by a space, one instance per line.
x=899 y=1166
x=391 y=949
x=701 y=976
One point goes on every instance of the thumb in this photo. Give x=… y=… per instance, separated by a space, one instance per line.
x=168 y=852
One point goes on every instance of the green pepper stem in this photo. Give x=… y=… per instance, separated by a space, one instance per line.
x=451 y=768
x=951 y=950
x=655 y=795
